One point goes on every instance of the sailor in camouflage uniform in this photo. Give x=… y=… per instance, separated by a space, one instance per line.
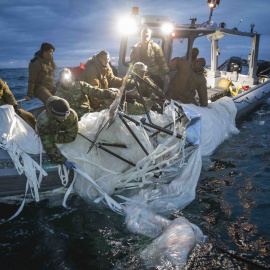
x=41 y=74
x=150 y=53
x=57 y=124
x=132 y=97
x=77 y=93
x=98 y=73
x=6 y=97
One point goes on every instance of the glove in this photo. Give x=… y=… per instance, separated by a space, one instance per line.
x=16 y=109
x=70 y=165
x=114 y=90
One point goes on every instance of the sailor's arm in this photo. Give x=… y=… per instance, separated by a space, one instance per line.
x=98 y=93
x=162 y=63
x=114 y=81
x=202 y=92
x=134 y=55
x=147 y=91
x=51 y=148
x=91 y=76
x=7 y=94
x=161 y=60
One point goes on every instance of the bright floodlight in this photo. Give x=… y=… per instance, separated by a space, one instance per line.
x=127 y=26
x=167 y=28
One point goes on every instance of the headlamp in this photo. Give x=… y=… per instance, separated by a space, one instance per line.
x=66 y=76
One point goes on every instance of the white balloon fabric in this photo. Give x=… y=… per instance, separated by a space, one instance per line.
x=20 y=140
x=157 y=178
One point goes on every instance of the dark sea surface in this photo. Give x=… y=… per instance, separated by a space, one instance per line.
x=232 y=207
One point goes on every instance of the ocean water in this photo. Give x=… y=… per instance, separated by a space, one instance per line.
x=232 y=207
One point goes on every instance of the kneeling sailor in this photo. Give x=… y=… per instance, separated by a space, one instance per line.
x=78 y=93
x=57 y=124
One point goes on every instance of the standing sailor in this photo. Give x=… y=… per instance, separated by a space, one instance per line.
x=188 y=79
x=6 y=97
x=41 y=74
x=99 y=74
x=57 y=124
x=150 y=53
x=78 y=93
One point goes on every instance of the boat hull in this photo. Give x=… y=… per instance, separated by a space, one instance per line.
x=252 y=99
x=14 y=184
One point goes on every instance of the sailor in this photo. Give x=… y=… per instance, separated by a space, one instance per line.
x=150 y=53
x=188 y=79
x=194 y=54
x=77 y=93
x=6 y=97
x=140 y=69
x=98 y=73
x=132 y=96
x=41 y=74
x=57 y=124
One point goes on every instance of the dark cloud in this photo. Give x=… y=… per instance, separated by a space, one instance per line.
x=79 y=29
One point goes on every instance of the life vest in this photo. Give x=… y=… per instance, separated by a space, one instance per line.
x=76 y=71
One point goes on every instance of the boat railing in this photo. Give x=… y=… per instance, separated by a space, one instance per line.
x=20 y=101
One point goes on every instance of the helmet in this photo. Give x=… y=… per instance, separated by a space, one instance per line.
x=140 y=66
x=146 y=32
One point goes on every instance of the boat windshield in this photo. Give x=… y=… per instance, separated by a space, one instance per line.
x=179 y=47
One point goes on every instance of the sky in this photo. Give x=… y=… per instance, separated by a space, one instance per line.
x=79 y=29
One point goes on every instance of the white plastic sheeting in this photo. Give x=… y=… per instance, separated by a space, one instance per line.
x=178 y=166
x=217 y=122
x=172 y=248
x=20 y=140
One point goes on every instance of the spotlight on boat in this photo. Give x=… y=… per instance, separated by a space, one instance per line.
x=127 y=26
x=167 y=28
x=213 y=3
